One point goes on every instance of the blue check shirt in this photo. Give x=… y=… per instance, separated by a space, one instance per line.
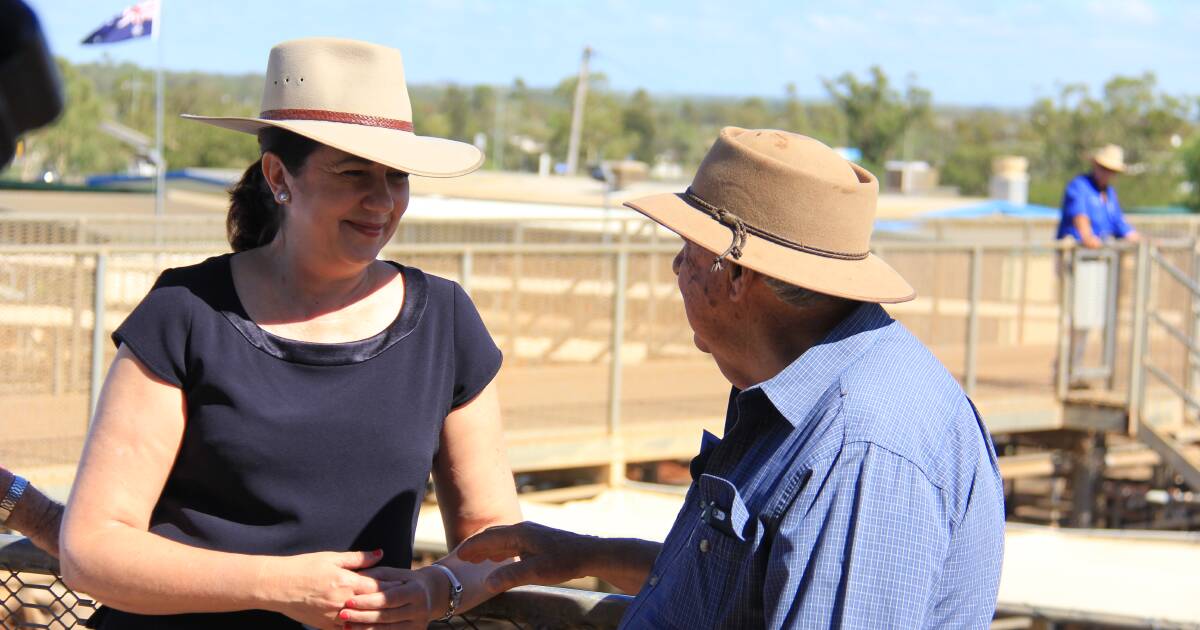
x=857 y=488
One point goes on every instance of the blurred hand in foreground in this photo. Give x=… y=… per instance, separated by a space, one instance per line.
x=35 y=516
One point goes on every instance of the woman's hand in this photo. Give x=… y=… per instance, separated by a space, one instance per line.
x=312 y=588
x=404 y=600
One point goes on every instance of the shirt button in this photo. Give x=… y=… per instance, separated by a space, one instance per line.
x=705 y=546
x=653 y=580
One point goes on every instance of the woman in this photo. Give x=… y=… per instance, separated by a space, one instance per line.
x=264 y=436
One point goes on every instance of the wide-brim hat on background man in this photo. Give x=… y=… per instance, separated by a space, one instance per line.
x=352 y=96
x=786 y=206
x=1111 y=157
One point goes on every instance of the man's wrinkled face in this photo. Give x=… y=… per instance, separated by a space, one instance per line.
x=705 y=294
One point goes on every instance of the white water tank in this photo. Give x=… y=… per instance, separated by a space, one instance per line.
x=1010 y=179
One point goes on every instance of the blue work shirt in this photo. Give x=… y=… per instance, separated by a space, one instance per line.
x=1082 y=197
x=857 y=488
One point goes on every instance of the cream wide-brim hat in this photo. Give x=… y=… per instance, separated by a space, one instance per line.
x=1111 y=157
x=804 y=214
x=351 y=96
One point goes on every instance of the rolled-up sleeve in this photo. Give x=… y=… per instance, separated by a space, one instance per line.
x=1075 y=199
x=1121 y=227
x=862 y=546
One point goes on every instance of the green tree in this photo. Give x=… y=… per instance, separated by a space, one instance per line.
x=1131 y=112
x=639 y=121
x=73 y=145
x=877 y=116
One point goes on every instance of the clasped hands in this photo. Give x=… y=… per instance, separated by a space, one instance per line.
x=348 y=590
x=332 y=590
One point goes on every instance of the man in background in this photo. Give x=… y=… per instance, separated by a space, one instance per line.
x=1091 y=214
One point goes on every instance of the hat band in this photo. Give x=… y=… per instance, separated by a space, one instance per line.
x=740 y=228
x=338 y=117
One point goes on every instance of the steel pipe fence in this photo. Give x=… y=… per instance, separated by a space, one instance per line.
x=33 y=595
x=18 y=228
x=583 y=315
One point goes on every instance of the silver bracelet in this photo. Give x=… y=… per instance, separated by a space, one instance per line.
x=456 y=590
x=9 y=502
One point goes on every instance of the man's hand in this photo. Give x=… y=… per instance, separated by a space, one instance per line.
x=1091 y=242
x=36 y=516
x=548 y=556
x=402 y=599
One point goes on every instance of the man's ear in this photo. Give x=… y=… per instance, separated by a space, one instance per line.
x=740 y=281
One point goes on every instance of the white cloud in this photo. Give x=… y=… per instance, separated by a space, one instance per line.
x=1135 y=11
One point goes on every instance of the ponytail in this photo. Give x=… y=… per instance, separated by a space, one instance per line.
x=254 y=215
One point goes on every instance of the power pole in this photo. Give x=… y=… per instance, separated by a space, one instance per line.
x=577 y=114
x=499 y=133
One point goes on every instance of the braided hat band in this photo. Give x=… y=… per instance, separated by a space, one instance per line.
x=740 y=229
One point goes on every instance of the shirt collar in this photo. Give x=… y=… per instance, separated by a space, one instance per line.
x=796 y=388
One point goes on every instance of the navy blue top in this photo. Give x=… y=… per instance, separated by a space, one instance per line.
x=1082 y=197
x=294 y=447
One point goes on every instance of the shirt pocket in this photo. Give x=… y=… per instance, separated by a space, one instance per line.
x=724 y=538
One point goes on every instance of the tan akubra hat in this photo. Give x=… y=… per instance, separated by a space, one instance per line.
x=350 y=95
x=1111 y=157
x=787 y=206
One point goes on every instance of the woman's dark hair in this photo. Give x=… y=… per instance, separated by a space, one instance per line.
x=254 y=216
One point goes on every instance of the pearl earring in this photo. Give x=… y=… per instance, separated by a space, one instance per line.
x=284 y=197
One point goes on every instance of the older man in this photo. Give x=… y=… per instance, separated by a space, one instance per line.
x=855 y=485
x=23 y=508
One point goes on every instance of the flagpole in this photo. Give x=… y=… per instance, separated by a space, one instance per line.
x=160 y=184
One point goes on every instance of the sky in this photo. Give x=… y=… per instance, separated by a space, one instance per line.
x=980 y=52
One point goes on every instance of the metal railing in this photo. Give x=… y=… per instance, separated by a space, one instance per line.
x=593 y=309
x=1184 y=333
x=33 y=595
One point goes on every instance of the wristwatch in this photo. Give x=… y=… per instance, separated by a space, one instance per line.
x=456 y=590
x=9 y=502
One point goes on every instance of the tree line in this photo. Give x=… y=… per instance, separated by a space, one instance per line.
x=870 y=112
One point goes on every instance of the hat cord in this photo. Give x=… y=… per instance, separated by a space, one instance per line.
x=741 y=230
x=729 y=220
x=738 y=227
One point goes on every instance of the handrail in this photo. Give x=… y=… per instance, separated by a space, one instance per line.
x=1179 y=335
x=1170 y=383
x=964 y=247
x=1176 y=273
x=541 y=606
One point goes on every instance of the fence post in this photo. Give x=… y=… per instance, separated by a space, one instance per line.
x=616 y=462
x=97 y=372
x=974 y=290
x=1023 y=287
x=1066 y=305
x=1137 y=352
x=1111 y=313
x=514 y=297
x=1193 y=381
x=652 y=294
x=466 y=267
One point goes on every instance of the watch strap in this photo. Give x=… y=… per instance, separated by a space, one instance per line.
x=456 y=590
x=9 y=502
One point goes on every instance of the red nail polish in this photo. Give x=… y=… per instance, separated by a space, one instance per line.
x=344 y=616
x=377 y=553
x=349 y=604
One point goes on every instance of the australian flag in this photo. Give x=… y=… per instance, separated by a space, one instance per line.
x=135 y=21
